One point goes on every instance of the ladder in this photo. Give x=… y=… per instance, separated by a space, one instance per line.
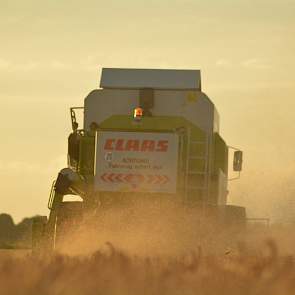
x=193 y=153
x=51 y=196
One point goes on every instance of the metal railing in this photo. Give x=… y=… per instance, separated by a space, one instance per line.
x=51 y=196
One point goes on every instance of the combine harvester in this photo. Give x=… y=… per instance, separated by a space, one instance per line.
x=148 y=134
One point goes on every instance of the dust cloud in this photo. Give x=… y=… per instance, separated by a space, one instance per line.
x=149 y=229
x=149 y=258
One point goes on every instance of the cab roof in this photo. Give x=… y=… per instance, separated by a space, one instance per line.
x=120 y=78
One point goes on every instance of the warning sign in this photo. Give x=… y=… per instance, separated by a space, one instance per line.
x=133 y=161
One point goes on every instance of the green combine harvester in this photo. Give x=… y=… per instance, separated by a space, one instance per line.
x=147 y=134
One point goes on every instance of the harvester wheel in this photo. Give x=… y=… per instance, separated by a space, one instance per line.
x=69 y=215
x=233 y=221
x=234 y=216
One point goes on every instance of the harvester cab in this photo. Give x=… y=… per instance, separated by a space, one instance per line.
x=146 y=134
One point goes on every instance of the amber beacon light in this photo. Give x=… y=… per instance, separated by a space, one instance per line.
x=138 y=113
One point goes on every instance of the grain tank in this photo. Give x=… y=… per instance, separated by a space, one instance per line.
x=147 y=133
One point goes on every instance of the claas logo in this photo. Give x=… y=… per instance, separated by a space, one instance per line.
x=136 y=145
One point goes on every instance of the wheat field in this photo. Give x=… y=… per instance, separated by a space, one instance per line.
x=111 y=271
x=147 y=252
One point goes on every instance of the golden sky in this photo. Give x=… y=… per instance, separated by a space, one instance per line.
x=51 y=53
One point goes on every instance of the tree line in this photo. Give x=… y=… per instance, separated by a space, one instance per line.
x=15 y=235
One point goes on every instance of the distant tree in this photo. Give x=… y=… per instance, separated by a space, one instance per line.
x=7 y=229
x=24 y=232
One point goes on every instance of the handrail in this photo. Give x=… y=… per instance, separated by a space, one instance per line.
x=51 y=196
x=73 y=115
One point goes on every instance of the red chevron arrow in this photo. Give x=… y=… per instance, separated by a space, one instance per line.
x=135 y=178
x=103 y=177
x=150 y=179
x=165 y=179
x=111 y=177
x=159 y=179
x=119 y=177
x=128 y=178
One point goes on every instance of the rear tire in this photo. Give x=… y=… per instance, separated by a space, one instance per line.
x=69 y=215
x=234 y=216
x=233 y=219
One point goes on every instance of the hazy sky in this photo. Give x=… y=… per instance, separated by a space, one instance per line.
x=51 y=53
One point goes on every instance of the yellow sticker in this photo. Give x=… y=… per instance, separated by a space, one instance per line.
x=192 y=97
